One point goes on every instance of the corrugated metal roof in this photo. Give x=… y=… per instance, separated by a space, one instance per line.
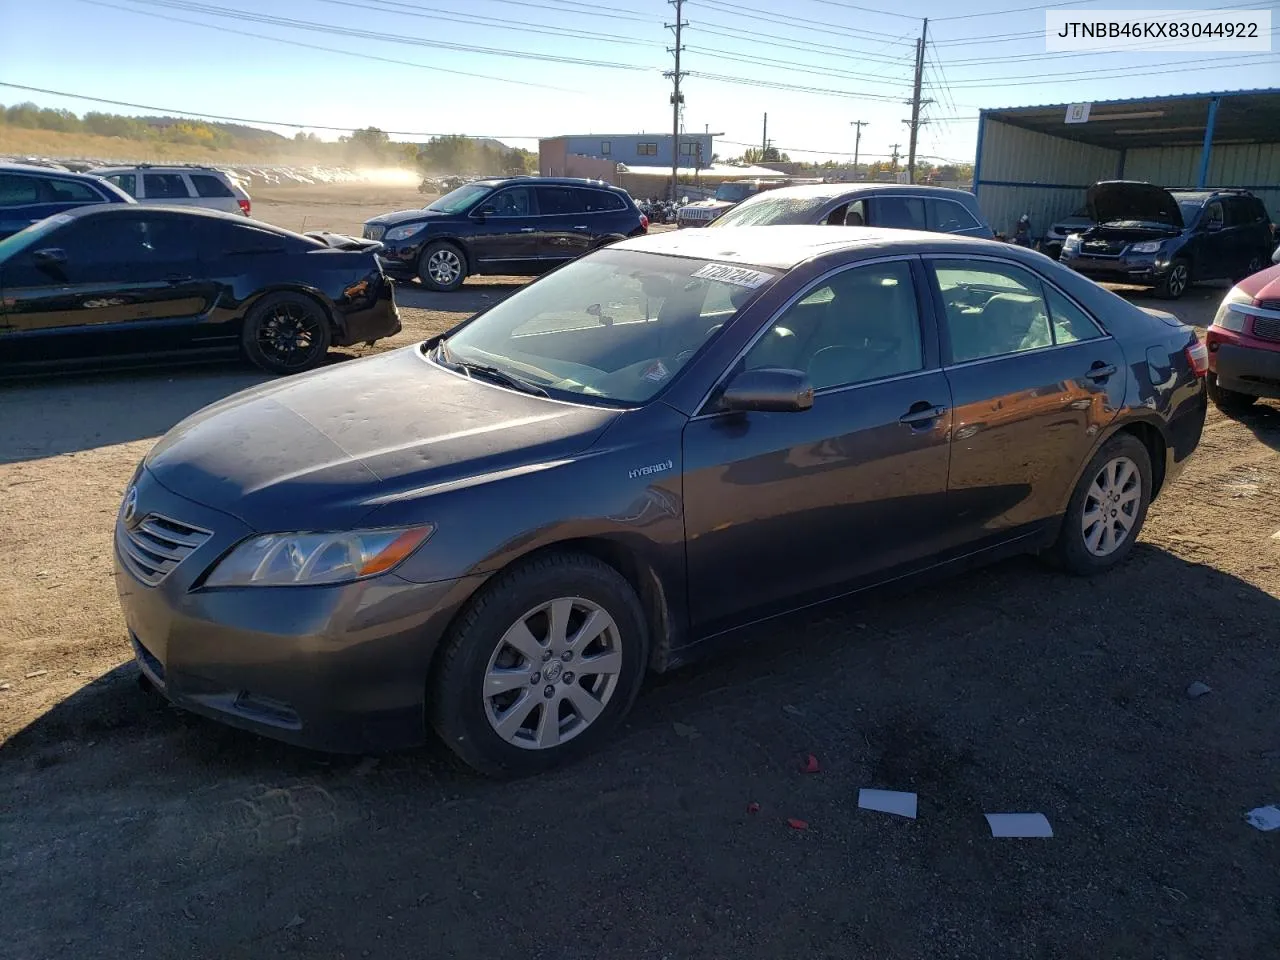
x=1131 y=100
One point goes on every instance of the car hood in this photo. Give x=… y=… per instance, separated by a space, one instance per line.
x=1263 y=285
x=1128 y=201
x=408 y=216
x=323 y=449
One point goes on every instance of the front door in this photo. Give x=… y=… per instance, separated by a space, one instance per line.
x=504 y=237
x=564 y=226
x=1211 y=258
x=787 y=508
x=1034 y=379
x=102 y=286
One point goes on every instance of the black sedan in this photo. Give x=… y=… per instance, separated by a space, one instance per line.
x=505 y=528
x=128 y=284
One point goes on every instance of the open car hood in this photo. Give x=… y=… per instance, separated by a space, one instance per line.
x=1113 y=201
x=339 y=241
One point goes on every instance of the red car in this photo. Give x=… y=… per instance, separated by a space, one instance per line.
x=1244 y=343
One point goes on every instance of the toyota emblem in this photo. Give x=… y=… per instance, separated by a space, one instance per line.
x=130 y=506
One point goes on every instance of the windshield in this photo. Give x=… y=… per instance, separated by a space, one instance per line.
x=1190 y=210
x=30 y=236
x=616 y=326
x=733 y=192
x=459 y=200
x=767 y=208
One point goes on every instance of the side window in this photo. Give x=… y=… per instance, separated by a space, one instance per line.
x=855 y=214
x=164 y=186
x=993 y=309
x=72 y=191
x=18 y=190
x=1213 y=214
x=128 y=182
x=234 y=239
x=906 y=213
x=560 y=200
x=599 y=201
x=138 y=241
x=947 y=216
x=209 y=186
x=862 y=324
x=515 y=202
x=1070 y=323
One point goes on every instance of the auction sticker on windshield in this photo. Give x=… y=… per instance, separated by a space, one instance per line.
x=738 y=276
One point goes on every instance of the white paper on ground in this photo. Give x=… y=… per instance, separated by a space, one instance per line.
x=1019 y=825
x=1265 y=818
x=888 y=801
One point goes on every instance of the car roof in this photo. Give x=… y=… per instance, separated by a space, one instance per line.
x=189 y=167
x=548 y=182
x=204 y=213
x=784 y=247
x=33 y=170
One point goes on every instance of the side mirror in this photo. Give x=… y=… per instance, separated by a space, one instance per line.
x=50 y=257
x=768 y=390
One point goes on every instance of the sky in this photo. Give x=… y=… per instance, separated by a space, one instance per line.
x=520 y=69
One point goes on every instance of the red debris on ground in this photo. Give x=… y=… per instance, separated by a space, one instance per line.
x=798 y=824
x=753 y=807
x=811 y=765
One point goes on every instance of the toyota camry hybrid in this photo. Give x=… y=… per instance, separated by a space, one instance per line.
x=497 y=533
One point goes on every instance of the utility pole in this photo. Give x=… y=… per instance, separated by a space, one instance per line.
x=894 y=156
x=857 y=142
x=915 y=120
x=677 y=99
x=764 y=138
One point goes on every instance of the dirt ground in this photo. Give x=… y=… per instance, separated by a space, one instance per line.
x=129 y=829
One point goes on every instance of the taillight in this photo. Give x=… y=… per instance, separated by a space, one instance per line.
x=644 y=223
x=1197 y=357
x=244 y=206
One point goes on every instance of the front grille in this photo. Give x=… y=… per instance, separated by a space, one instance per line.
x=154 y=548
x=1103 y=248
x=1269 y=304
x=374 y=233
x=1266 y=328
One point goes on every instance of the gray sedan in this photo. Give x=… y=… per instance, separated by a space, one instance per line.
x=499 y=532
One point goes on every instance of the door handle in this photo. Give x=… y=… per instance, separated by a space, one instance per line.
x=527 y=229
x=921 y=413
x=1101 y=371
x=582 y=226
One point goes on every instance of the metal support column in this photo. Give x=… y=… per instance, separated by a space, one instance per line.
x=1207 y=151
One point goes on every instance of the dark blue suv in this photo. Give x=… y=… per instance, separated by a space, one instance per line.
x=522 y=226
x=29 y=194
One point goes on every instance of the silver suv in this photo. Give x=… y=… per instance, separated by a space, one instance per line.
x=179 y=185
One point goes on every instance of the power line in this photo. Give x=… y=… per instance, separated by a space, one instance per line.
x=583 y=9
x=791 y=65
x=813 y=48
x=756 y=13
x=778 y=85
x=312 y=46
x=171 y=111
x=1113 y=73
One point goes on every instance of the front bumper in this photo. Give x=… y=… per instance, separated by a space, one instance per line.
x=1128 y=269
x=340 y=668
x=1244 y=368
x=399 y=258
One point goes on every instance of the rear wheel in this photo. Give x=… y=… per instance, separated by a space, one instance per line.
x=1228 y=401
x=541 y=667
x=1107 y=509
x=1176 y=281
x=442 y=267
x=1256 y=263
x=286 y=333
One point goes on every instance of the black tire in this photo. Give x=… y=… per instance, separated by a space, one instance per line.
x=1256 y=263
x=1176 y=281
x=1228 y=401
x=286 y=333
x=457 y=706
x=432 y=262
x=1071 y=551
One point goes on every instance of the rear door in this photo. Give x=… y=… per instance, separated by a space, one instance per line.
x=167 y=187
x=565 y=228
x=1034 y=379
x=117 y=285
x=903 y=213
x=948 y=216
x=213 y=193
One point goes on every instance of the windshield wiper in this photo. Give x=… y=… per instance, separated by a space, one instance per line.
x=445 y=355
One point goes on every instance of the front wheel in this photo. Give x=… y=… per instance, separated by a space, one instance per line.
x=286 y=333
x=1228 y=401
x=1255 y=264
x=541 y=667
x=442 y=267
x=1107 y=509
x=1176 y=281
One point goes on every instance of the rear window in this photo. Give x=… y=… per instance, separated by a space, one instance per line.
x=128 y=182
x=561 y=200
x=16 y=190
x=767 y=208
x=72 y=191
x=209 y=186
x=164 y=186
x=906 y=213
x=600 y=200
x=946 y=216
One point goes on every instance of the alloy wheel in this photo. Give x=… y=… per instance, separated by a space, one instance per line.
x=1177 y=282
x=552 y=673
x=444 y=266
x=1111 y=506
x=290 y=335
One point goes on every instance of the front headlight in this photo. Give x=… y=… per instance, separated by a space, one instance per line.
x=1071 y=244
x=1147 y=246
x=403 y=233
x=1230 y=316
x=293 y=559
